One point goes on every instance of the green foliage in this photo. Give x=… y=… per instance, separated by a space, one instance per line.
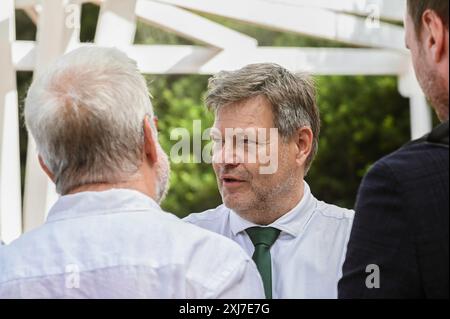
x=363 y=118
x=89 y=17
x=25 y=29
x=177 y=103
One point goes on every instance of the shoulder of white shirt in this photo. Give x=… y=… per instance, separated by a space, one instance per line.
x=333 y=211
x=219 y=213
x=208 y=215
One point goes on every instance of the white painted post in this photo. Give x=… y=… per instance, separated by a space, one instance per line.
x=10 y=193
x=420 y=112
x=116 y=23
x=58 y=32
x=421 y=120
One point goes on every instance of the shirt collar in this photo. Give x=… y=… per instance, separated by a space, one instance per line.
x=99 y=203
x=292 y=223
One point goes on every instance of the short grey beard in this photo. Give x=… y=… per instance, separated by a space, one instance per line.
x=269 y=201
x=162 y=175
x=436 y=92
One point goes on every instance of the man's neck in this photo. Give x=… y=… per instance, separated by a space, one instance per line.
x=137 y=185
x=274 y=210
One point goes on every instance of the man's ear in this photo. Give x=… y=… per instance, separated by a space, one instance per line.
x=46 y=169
x=150 y=141
x=303 y=140
x=434 y=35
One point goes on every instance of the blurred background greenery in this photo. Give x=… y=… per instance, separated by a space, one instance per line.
x=363 y=118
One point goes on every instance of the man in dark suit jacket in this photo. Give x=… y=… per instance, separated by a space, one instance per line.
x=399 y=245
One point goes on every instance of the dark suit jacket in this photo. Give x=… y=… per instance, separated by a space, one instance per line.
x=401 y=224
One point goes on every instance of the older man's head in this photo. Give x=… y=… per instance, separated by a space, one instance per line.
x=263 y=97
x=91 y=117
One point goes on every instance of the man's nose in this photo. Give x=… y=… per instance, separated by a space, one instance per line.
x=228 y=155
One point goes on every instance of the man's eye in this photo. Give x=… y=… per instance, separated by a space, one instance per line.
x=251 y=142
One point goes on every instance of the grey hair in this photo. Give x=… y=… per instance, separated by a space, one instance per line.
x=292 y=96
x=86 y=115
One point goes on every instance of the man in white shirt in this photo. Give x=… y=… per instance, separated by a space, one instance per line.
x=107 y=237
x=297 y=241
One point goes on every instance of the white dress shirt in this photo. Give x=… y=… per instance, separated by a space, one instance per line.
x=307 y=257
x=120 y=244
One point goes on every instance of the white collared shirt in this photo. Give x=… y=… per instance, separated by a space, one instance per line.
x=120 y=244
x=307 y=257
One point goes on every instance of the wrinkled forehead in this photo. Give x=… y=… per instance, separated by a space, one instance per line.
x=254 y=112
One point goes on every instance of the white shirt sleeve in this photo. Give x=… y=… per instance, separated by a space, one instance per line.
x=244 y=283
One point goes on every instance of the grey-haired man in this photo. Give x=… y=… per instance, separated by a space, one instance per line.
x=297 y=241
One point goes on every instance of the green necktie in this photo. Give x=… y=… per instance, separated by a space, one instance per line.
x=263 y=238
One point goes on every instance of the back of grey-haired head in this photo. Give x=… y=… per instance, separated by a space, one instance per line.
x=292 y=96
x=86 y=115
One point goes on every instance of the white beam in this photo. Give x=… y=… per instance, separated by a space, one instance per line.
x=22 y=4
x=58 y=32
x=116 y=23
x=309 y=21
x=386 y=9
x=192 y=26
x=24 y=55
x=179 y=59
x=10 y=181
x=319 y=61
x=162 y=59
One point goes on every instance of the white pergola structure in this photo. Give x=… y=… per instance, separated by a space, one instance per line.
x=380 y=51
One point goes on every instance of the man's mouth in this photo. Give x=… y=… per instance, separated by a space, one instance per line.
x=232 y=181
